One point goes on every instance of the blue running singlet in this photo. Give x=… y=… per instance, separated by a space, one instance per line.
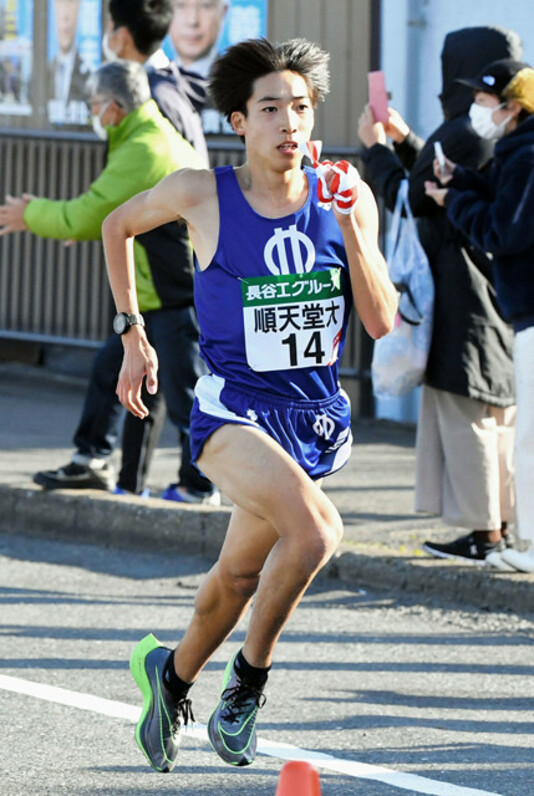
x=274 y=303
x=273 y=308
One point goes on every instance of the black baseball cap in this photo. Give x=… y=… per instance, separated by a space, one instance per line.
x=494 y=78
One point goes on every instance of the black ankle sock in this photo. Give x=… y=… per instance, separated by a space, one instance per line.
x=178 y=687
x=254 y=675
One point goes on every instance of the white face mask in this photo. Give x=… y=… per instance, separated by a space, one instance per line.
x=482 y=121
x=98 y=127
x=109 y=54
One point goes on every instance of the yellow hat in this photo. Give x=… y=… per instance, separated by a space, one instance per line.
x=521 y=89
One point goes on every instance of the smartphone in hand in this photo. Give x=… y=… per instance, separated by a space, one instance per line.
x=440 y=157
x=378 y=97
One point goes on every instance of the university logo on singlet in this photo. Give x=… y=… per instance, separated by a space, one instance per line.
x=293 y=317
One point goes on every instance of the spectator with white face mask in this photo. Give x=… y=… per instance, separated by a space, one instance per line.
x=495 y=213
x=465 y=430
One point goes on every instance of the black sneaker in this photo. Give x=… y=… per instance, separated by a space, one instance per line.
x=76 y=476
x=232 y=725
x=468 y=548
x=159 y=730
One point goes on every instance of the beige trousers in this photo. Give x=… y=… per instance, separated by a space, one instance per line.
x=464 y=463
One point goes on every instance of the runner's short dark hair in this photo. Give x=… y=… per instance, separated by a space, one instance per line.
x=234 y=73
x=148 y=21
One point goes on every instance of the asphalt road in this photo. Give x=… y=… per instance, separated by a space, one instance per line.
x=385 y=695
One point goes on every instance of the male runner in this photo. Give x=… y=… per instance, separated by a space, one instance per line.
x=277 y=275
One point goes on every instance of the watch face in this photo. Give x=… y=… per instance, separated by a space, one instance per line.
x=120 y=323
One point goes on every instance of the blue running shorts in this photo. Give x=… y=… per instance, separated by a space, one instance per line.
x=316 y=434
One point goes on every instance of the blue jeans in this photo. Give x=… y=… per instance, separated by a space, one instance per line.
x=174 y=334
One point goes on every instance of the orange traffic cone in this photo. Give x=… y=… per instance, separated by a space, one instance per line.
x=298 y=778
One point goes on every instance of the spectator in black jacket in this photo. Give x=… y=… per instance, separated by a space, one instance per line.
x=496 y=212
x=135 y=31
x=466 y=422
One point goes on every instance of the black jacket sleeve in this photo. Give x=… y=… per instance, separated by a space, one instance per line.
x=383 y=172
x=409 y=149
x=461 y=145
x=471 y=180
x=501 y=223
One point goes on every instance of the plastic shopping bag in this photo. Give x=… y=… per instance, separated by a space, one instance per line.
x=399 y=359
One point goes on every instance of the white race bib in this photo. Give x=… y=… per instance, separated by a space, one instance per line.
x=293 y=320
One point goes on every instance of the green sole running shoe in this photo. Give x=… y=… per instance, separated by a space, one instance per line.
x=232 y=725
x=159 y=729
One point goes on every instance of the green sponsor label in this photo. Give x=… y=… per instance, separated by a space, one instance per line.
x=261 y=291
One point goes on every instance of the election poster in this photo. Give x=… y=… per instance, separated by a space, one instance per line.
x=74 y=39
x=16 y=47
x=202 y=29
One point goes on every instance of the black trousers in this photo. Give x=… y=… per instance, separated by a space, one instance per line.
x=174 y=334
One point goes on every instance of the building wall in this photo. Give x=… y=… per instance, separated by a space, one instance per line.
x=413 y=32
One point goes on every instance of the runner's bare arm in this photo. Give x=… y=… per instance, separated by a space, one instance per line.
x=375 y=297
x=177 y=196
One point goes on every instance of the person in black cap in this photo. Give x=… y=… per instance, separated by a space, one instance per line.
x=495 y=213
x=465 y=428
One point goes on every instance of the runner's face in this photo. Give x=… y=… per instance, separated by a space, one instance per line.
x=66 y=22
x=280 y=115
x=195 y=27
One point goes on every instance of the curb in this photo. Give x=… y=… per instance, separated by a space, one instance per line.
x=95 y=517
x=100 y=518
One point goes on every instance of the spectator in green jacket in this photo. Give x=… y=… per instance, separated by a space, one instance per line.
x=143 y=148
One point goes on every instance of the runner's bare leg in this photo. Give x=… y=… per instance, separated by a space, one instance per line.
x=282 y=531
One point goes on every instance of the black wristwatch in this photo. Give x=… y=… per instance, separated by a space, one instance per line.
x=123 y=321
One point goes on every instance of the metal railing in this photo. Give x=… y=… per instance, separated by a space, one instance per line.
x=50 y=293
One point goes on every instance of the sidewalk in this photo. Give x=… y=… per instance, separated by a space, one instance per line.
x=374 y=493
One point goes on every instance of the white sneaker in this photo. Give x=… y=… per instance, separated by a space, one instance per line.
x=524 y=562
x=495 y=561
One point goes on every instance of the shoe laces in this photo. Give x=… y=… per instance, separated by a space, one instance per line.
x=183 y=714
x=238 y=700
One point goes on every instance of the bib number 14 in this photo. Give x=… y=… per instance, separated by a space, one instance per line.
x=313 y=350
x=293 y=320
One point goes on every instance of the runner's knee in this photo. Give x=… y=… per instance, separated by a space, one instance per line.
x=238 y=580
x=320 y=540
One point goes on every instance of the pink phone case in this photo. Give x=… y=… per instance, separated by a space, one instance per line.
x=378 y=98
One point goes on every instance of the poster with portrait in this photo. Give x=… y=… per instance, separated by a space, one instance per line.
x=74 y=39
x=201 y=29
x=16 y=37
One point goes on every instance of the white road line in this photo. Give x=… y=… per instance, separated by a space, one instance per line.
x=282 y=751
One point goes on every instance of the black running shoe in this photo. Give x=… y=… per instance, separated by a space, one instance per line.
x=76 y=476
x=159 y=730
x=232 y=725
x=468 y=548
